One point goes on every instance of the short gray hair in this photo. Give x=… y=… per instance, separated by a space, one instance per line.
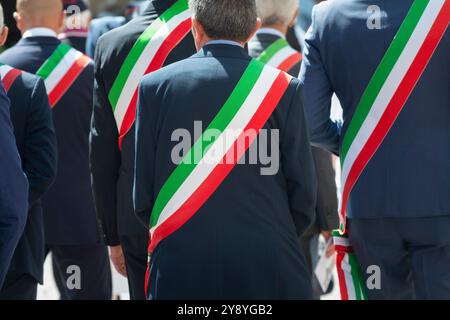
x=276 y=11
x=226 y=19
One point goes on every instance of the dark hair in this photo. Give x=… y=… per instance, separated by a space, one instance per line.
x=226 y=19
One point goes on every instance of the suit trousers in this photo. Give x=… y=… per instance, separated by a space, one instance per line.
x=19 y=287
x=135 y=250
x=92 y=263
x=412 y=256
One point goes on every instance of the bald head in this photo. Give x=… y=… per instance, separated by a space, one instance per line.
x=39 y=14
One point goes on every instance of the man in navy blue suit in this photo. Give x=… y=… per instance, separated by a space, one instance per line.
x=123 y=56
x=36 y=141
x=224 y=220
x=71 y=229
x=387 y=61
x=13 y=189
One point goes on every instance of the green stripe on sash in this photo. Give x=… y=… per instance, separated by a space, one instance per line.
x=272 y=50
x=51 y=63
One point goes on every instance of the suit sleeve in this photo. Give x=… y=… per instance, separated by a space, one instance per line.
x=145 y=159
x=40 y=155
x=327 y=203
x=318 y=92
x=298 y=165
x=13 y=189
x=105 y=158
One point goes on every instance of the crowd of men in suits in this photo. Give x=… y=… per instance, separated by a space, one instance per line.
x=88 y=146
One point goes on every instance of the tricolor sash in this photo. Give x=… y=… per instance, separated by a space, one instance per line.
x=192 y=183
x=8 y=76
x=61 y=70
x=351 y=282
x=147 y=55
x=389 y=89
x=280 y=55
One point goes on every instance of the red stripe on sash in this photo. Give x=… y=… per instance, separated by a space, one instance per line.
x=290 y=62
x=221 y=171
x=341 y=276
x=157 y=63
x=69 y=78
x=398 y=101
x=10 y=77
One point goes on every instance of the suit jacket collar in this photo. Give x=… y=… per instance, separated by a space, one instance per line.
x=223 y=51
x=39 y=41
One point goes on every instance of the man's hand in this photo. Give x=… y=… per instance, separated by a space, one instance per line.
x=330 y=248
x=118 y=259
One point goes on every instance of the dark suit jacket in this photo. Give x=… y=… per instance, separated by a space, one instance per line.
x=243 y=242
x=112 y=170
x=36 y=141
x=69 y=213
x=13 y=189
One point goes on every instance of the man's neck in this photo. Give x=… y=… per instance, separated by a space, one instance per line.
x=277 y=27
x=39 y=32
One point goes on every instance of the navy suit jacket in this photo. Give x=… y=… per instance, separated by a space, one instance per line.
x=243 y=242
x=36 y=141
x=112 y=169
x=69 y=214
x=13 y=189
x=409 y=175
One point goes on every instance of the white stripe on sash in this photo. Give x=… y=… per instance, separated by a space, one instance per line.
x=61 y=69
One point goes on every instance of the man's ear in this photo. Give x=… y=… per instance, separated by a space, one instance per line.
x=294 y=19
x=62 y=21
x=19 y=21
x=4 y=36
x=198 y=32
x=258 y=25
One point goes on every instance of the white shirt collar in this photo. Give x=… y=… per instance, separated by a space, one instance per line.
x=39 y=32
x=227 y=42
x=271 y=31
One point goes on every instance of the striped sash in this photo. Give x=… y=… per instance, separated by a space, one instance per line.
x=389 y=89
x=147 y=55
x=280 y=55
x=351 y=282
x=61 y=70
x=8 y=76
x=192 y=183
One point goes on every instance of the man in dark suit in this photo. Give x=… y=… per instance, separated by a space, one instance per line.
x=387 y=61
x=13 y=189
x=36 y=141
x=224 y=221
x=71 y=230
x=118 y=70
x=270 y=45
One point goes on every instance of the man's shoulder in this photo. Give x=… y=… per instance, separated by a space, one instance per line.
x=118 y=39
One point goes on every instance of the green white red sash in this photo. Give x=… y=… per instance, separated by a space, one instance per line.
x=280 y=55
x=8 y=75
x=61 y=70
x=390 y=88
x=147 y=55
x=191 y=184
x=351 y=282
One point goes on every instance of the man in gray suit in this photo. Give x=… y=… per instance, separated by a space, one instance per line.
x=387 y=61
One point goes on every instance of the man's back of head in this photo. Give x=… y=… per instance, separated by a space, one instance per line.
x=234 y=20
x=39 y=14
